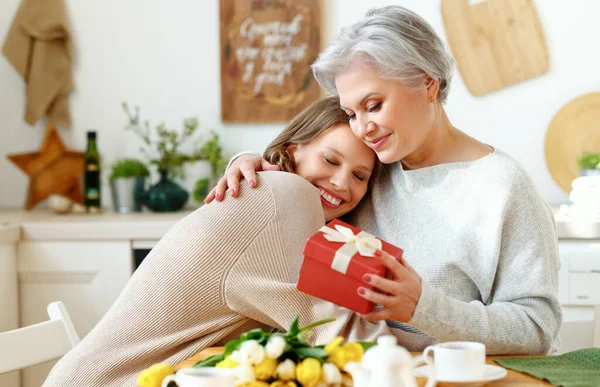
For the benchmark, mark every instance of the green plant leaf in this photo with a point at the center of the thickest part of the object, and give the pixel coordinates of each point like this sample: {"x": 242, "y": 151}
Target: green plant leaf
{"x": 589, "y": 160}
{"x": 318, "y": 353}
{"x": 316, "y": 324}
{"x": 232, "y": 346}
{"x": 255, "y": 334}
{"x": 210, "y": 361}
{"x": 367, "y": 344}
{"x": 294, "y": 328}
{"x": 128, "y": 167}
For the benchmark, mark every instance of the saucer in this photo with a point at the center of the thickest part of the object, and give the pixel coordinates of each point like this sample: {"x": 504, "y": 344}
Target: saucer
{"x": 490, "y": 372}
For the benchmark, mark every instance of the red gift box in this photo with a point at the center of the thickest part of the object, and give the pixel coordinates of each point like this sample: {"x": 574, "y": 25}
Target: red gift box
{"x": 335, "y": 260}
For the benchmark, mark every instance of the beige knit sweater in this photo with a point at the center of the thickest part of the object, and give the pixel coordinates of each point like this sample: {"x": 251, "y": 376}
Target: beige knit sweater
{"x": 224, "y": 269}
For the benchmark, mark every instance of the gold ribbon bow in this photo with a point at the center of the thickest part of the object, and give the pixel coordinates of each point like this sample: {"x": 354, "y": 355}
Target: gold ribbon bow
{"x": 363, "y": 243}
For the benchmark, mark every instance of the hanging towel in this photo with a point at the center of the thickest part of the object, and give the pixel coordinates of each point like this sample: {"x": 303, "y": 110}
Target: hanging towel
{"x": 38, "y": 45}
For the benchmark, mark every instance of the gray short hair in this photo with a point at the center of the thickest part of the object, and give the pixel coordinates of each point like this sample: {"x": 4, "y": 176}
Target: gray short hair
{"x": 397, "y": 42}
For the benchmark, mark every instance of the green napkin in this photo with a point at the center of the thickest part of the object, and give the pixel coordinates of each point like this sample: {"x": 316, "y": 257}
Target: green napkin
{"x": 578, "y": 368}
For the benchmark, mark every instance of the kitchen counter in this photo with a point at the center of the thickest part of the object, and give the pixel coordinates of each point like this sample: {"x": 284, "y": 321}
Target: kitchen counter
{"x": 44, "y": 225}
{"x": 9, "y": 233}
{"x": 572, "y": 223}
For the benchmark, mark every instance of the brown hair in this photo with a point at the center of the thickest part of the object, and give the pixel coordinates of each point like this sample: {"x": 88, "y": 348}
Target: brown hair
{"x": 310, "y": 123}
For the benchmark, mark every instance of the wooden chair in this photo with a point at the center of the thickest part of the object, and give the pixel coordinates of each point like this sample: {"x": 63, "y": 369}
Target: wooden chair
{"x": 38, "y": 343}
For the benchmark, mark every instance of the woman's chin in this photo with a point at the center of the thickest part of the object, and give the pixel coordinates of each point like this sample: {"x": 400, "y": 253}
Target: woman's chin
{"x": 329, "y": 215}
{"x": 389, "y": 156}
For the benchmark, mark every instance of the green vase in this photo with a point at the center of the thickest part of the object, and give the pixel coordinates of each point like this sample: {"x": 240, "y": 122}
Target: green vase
{"x": 165, "y": 196}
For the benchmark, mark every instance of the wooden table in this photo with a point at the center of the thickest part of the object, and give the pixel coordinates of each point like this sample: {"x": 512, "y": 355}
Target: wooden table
{"x": 513, "y": 378}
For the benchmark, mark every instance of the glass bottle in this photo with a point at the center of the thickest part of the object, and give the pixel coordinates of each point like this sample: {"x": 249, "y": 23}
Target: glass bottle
{"x": 91, "y": 191}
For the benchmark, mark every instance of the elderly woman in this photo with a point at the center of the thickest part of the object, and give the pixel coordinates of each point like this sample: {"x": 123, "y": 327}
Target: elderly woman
{"x": 480, "y": 243}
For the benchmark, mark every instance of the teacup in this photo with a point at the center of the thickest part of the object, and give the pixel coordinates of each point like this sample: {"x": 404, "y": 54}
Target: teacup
{"x": 201, "y": 377}
{"x": 457, "y": 360}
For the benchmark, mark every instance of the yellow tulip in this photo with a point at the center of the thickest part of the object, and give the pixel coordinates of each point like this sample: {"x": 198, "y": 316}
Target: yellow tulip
{"x": 265, "y": 369}
{"x": 228, "y": 362}
{"x": 346, "y": 353}
{"x": 281, "y": 383}
{"x": 154, "y": 375}
{"x": 335, "y": 343}
{"x": 308, "y": 372}
{"x": 255, "y": 383}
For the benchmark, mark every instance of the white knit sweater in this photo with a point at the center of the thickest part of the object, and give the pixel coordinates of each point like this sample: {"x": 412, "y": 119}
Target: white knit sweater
{"x": 484, "y": 243}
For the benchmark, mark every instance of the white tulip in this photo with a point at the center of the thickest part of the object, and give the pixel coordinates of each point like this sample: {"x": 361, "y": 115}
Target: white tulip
{"x": 286, "y": 370}
{"x": 347, "y": 381}
{"x": 236, "y": 356}
{"x": 331, "y": 374}
{"x": 250, "y": 352}
{"x": 244, "y": 373}
{"x": 275, "y": 346}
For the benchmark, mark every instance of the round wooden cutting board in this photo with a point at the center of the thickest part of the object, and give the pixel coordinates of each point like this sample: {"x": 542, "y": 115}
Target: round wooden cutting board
{"x": 573, "y": 130}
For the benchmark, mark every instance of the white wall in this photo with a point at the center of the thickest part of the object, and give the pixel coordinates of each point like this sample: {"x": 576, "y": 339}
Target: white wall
{"x": 164, "y": 56}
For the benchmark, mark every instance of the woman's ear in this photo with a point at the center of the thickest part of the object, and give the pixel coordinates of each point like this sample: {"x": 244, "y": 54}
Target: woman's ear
{"x": 291, "y": 149}
{"x": 433, "y": 87}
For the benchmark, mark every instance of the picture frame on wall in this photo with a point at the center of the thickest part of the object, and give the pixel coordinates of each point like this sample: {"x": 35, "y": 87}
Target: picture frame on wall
{"x": 267, "y": 47}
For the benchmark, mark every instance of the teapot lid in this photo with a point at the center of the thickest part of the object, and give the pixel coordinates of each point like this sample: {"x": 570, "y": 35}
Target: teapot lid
{"x": 386, "y": 352}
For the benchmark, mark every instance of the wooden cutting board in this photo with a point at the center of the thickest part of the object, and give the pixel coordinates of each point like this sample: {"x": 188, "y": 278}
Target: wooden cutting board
{"x": 496, "y": 43}
{"x": 572, "y": 131}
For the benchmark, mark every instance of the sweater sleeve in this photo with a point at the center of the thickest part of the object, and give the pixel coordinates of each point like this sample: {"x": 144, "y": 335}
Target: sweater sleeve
{"x": 262, "y": 284}
{"x": 523, "y": 315}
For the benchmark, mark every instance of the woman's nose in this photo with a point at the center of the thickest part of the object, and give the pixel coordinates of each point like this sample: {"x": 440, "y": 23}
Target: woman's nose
{"x": 340, "y": 181}
{"x": 362, "y": 127}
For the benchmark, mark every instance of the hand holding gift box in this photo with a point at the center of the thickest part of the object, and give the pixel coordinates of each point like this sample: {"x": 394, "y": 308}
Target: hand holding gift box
{"x": 335, "y": 260}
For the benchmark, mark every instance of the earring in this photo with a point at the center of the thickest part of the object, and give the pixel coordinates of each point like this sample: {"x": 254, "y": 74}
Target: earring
{"x": 432, "y": 99}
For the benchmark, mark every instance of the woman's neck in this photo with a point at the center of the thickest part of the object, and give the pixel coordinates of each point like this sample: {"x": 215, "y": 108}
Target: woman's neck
{"x": 445, "y": 144}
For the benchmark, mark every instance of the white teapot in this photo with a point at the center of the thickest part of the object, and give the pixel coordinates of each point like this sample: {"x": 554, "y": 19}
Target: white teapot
{"x": 386, "y": 365}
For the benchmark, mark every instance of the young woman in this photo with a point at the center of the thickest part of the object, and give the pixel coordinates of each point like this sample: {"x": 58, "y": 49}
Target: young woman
{"x": 230, "y": 267}
{"x": 479, "y": 241}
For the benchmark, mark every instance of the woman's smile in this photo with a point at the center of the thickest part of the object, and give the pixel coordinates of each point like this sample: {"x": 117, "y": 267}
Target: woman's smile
{"x": 379, "y": 142}
{"x": 329, "y": 199}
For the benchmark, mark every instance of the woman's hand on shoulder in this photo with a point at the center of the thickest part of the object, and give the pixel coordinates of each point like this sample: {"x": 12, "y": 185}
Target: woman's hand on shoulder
{"x": 398, "y": 295}
{"x": 244, "y": 167}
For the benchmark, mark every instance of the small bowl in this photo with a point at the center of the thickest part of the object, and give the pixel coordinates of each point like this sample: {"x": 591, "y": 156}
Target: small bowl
{"x": 60, "y": 204}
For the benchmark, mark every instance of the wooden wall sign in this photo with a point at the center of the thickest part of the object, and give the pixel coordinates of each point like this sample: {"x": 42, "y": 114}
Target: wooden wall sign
{"x": 496, "y": 43}
{"x": 267, "y": 47}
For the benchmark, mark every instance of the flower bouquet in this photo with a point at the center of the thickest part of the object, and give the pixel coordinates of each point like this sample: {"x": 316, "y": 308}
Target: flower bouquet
{"x": 263, "y": 359}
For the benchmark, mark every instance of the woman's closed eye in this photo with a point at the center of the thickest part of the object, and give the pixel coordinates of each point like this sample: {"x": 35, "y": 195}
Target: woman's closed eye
{"x": 374, "y": 108}
{"x": 360, "y": 177}
{"x": 330, "y": 161}
{"x": 350, "y": 116}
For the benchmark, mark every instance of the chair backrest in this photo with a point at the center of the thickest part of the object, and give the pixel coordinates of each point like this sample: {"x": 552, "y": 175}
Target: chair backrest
{"x": 38, "y": 343}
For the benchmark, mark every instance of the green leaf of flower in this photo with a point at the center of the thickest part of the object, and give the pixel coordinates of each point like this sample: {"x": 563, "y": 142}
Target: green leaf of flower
{"x": 317, "y": 353}
{"x": 255, "y": 334}
{"x": 294, "y": 328}
{"x": 232, "y": 346}
{"x": 316, "y": 324}
{"x": 210, "y": 361}
{"x": 367, "y": 344}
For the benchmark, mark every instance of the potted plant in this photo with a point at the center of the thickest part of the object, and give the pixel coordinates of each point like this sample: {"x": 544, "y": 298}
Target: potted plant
{"x": 163, "y": 149}
{"x": 208, "y": 163}
{"x": 127, "y": 182}
{"x": 589, "y": 163}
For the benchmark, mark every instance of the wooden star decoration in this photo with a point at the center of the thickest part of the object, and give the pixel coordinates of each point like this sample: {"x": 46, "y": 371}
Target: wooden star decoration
{"x": 52, "y": 170}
